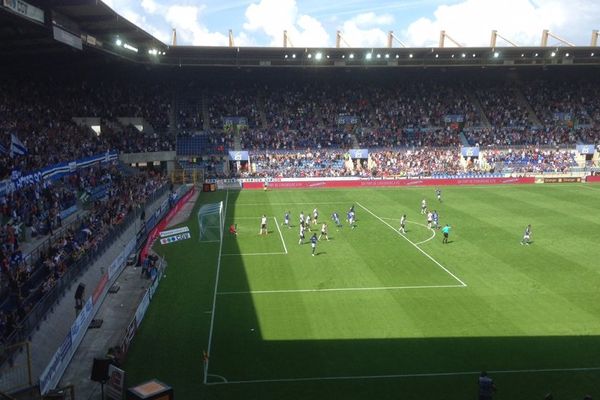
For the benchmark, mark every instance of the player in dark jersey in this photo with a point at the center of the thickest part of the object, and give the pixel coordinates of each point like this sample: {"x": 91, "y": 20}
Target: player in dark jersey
{"x": 438, "y": 194}
{"x": 313, "y": 243}
{"x": 336, "y": 218}
{"x": 286, "y": 220}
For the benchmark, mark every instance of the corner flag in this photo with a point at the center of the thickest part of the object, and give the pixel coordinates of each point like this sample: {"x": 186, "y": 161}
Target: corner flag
{"x": 16, "y": 146}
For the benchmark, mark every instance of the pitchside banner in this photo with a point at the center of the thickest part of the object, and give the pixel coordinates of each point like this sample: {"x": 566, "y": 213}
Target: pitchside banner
{"x": 470, "y": 151}
{"x": 586, "y": 148}
{"x": 238, "y": 155}
{"x": 359, "y": 153}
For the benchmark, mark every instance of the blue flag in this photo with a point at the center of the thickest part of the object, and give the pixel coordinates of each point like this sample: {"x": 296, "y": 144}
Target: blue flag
{"x": 16, "y": 146}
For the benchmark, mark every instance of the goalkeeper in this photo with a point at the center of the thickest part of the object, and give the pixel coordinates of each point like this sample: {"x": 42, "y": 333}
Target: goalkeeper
{"x": 233, "y": 229}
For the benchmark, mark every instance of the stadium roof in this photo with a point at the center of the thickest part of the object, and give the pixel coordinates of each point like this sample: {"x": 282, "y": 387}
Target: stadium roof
{"x": 90, "y": 24}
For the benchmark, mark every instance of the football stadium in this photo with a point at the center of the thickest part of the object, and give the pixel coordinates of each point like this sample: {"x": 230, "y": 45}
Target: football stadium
{"x": 280, "y": 222}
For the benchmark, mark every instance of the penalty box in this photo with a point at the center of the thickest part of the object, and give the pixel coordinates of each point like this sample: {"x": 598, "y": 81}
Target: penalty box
{"x": 249, "y": 241}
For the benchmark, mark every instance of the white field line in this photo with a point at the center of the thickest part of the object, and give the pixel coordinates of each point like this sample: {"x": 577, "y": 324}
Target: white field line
{"x": 214, "y": 302}
{"x": 349, "y": 289}
{"x": 222, "y": 378}
{"x": 414, "y": 244}
{"x": 415, "y": 375}
{"x": 415, "y": 223}
{"x": 254, "y": 254}
{"x": 280, "y": 235}
{"x": 286, "y": 204}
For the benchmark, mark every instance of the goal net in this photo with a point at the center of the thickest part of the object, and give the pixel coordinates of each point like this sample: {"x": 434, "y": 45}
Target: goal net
{"x": 210, "y": 222}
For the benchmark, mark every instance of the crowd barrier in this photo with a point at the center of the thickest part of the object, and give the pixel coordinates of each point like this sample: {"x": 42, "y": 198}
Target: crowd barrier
{"x": 350, "y": 183}
{"x": 593, "y": 178}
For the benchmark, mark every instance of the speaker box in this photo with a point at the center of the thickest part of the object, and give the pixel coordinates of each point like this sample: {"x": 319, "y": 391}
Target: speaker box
{"x": 100, "y": 369}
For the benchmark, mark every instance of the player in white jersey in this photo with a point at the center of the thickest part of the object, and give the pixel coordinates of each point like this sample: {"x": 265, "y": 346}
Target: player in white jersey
{"x": 403, "y": 224}
{"x": 429, "y": 219}
{"x": 263, "y": 225}
{"x": 315, "y": 220}
{"x": 423, "y": 206}
{"x": 301, "y": 241}
{"x": 324, "y": 231}
{"x": 301, "y": 217}
{"x": 307, "y": 222}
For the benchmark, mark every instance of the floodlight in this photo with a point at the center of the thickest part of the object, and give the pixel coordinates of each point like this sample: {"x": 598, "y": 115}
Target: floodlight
{"x": 397, "y": 56}
{"x": 293, "y": 56}
{"x": 118, "y": 42}
{"x": 496, "y": 54}
{"x": 368, "y": 56}
{"x": 474, "y": 55}
{"x": 522, "y": 55}
{"x": 309, "y": 55}
{"x": 352, "y": 55}
{"x": 378, "y": 55}
{"x": 387, "y": 56}
{"x": 452, "y": 56}
{"x": 592, "y": 54}
{"x": 318, "y": 56}
{"x": 130, "y": 47}
{"x": 463, "y": 55}
{"x": 286, "y": 56}
{"x": 343, "y": 56}
{"x": 535, "y": 55}
{"x": 567, "y": 55}
{"x": 410, "y": 55}
{"x": 552, "y": 54}
{"x": 437, "y": 55}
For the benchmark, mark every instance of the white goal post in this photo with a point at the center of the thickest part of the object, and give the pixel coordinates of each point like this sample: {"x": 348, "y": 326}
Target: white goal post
{"x": 210, "y": 222}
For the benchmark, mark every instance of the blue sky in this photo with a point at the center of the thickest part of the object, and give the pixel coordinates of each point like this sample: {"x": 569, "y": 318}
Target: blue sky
{"x": 363, "y": 23}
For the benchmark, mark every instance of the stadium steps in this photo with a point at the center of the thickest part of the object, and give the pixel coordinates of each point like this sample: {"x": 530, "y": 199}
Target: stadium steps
{"x": 172, "y": 115}
{"x": 463, "y": 139}
{"x": 485, "y": 122}
{"x": 237, "y": 141}
{"x": 205, "y": 113}
{"x": 522, "y": 101}
{"x": 262, "y": 115}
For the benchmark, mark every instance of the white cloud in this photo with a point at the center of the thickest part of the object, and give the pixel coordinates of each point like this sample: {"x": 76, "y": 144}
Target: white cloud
{"x": 272, "y": 17}
{"x": 150, "y": 6}
{"x": 364, "y": 31}
{"x": 185, "y": 19}
{"x": 522, "y": 21}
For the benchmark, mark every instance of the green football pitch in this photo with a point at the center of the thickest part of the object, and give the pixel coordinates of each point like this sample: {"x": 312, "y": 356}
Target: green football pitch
{"x": 378, "y": 314}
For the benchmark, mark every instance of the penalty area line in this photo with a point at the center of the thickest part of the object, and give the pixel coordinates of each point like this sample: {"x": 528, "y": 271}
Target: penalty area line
{"x": 349, "y": 289}
{"x": 253, "y": 254}
{"x": 280, "y": 235}
{"x": 414, "y": 244}
{"x": 399, "y": 376}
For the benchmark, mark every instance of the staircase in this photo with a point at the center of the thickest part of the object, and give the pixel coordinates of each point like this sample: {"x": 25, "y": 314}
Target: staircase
{"x": 520, "y": 97}
{"x": 262, "y": 115}
{"x": 205, "y": 113}
{"x": 485, "y": 122}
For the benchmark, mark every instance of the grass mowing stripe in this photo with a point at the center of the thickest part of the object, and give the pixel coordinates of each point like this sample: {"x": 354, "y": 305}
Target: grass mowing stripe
{"x": 214, "y": 303}
{"x": 416, "y": 246}
{"x": 350, "y": 289}
{"x": 395, "y": 376}
{"x": 280, "y": 235}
